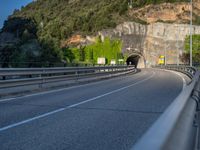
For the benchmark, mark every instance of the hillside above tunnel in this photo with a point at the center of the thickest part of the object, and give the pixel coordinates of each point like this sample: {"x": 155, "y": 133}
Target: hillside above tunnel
{"x": 63, "y": 18}
{"x": 46, "y": 27}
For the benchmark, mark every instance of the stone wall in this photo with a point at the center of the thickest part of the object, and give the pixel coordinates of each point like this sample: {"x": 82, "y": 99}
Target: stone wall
{"x": 152, "y": 40}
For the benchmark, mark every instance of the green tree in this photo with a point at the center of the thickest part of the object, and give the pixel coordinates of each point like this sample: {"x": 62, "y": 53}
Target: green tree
{"x": 110, "y": 49}
{"x": 8, "y": 54}
{"x": 195, "y": 48}
{"x": 68, "y": 55}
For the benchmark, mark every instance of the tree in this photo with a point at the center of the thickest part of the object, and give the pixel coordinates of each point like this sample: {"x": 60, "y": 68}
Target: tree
{"x": 195, "y": 48}
{"x": 82, "y": 53}
{"x": 68, "y": 55}
{"x": 7, "y": 55}
{"x": 19, "y": 25}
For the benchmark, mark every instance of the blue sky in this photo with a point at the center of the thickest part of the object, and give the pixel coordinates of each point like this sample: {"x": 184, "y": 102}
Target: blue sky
{"x": 8, "y": 6}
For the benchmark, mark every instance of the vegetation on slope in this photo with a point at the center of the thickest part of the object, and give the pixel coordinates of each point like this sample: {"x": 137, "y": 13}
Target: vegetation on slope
{"x": 62, "y": 18}
{"x": 195, "y": 49}
{"x": 43, "y": 24}
{"x": 109, "y": 49}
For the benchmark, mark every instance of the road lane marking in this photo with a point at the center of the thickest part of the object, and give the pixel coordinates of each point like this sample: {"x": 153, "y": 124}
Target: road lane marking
{"x": 177, "y": 73}
{"x": 31, "y": 119}
{"x": 183, "y": 79}
{"x": 73, "y": 105}
{"x": 57, "y": 90}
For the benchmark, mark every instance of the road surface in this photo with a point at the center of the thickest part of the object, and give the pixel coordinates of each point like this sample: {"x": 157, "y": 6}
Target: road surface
{"x": 107, "y": 115}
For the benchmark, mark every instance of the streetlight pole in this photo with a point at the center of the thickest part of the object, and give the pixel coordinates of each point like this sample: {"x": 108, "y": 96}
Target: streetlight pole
{"x": 165, "y": 49}
{"x": 165, "y": 52}
{"x": 177, "y": 45}
{"x": 191, "y": 33}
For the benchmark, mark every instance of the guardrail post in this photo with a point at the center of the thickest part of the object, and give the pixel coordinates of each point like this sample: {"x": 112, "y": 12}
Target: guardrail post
{"x": 42, "y": 79}
{"x": 196, "y": 95}
{"x": 40, "y": 84}
{"x": 77, "y": 75}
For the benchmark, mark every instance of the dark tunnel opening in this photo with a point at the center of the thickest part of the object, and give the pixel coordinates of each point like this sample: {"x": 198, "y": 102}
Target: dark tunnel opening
{"x": 133, "y": 60}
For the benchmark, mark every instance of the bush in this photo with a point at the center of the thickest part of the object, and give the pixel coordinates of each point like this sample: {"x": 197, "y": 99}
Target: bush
{"x": 110, "y": 49}
{"x": 195, "y": 47}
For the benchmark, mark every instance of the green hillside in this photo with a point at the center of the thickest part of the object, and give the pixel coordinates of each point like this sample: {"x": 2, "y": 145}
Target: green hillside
{"x": 43, "y": 24}
{"x": 62, "y": 18}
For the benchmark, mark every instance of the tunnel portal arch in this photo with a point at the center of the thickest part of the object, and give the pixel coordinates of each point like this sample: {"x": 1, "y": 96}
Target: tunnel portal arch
{"x": 133, "y": 60}
{"x": 136, "y": 59}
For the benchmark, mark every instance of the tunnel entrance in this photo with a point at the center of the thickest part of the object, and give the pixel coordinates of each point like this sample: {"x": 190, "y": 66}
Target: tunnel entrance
{"x": 133, "y": 60}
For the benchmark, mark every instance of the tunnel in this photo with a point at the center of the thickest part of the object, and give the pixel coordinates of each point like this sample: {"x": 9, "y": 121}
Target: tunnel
{"x": 133, "y": 60}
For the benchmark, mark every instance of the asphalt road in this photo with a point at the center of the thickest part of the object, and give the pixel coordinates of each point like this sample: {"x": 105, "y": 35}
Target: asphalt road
{"x": 106, "y": 115}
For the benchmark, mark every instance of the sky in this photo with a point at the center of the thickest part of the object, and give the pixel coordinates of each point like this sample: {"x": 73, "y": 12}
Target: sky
{"x": 8, "y": 6}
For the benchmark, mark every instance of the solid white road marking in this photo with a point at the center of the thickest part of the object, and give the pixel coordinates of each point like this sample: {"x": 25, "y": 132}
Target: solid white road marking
{"x": 31, "y": 119}
{"x": 183, "y": 79}
{"x": 71, "y": 106}
{"x": 177, "y": 73}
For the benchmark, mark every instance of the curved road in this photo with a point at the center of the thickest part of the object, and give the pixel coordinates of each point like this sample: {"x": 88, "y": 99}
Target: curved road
{"x": 106, "y": 115}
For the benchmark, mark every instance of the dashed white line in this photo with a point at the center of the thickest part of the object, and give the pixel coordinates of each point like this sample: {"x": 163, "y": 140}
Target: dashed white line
{"x": 71, "y": 106}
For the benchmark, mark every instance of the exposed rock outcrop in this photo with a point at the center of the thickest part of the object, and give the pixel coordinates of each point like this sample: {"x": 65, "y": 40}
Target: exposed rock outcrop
{"x": 166, "y": 12}
{"x": 152, "y": 40}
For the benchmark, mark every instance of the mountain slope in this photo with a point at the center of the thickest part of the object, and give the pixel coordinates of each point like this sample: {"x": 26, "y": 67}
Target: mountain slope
{"x": 53, "y": 24}
{"x": 62, "y": 18}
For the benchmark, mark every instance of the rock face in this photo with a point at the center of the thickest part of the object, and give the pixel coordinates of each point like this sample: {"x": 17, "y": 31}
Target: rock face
{"x": 167, "y": 12}
{"x": 151, "y": 41}
{"x": 77, "y": 40}
{"x": 178, "y": 12}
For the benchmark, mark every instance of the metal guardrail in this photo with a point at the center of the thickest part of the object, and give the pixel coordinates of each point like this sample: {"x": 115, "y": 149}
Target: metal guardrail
{"x": 31, "y": 76}
{"x": 33, "y": 71}
{"x": 189, "y": 71}
{"x": 178, "y": 127}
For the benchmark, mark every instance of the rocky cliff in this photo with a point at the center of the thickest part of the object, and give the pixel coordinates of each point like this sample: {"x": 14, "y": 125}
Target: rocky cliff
{"x": 152, "y": 40}
{"x": 167, "y": 12}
